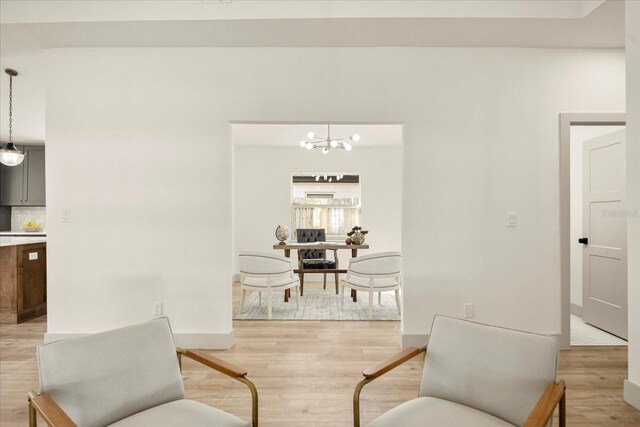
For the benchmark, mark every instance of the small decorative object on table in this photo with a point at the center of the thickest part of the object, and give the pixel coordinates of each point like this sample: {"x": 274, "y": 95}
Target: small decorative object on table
{"x": 357, "y": 235}
{"x": 282, "y": 234}
{"x": 31, "y": 227}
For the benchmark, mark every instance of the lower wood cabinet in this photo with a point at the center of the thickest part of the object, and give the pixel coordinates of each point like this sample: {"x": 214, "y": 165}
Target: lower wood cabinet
{"x": 23, "y": 282}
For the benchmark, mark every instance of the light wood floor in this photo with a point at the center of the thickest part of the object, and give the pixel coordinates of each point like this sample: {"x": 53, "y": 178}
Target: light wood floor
{"x": 306, "y": 371}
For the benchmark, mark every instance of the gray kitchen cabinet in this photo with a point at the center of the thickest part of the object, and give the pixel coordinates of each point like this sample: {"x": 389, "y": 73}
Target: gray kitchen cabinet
{"x": 24, "y": 185}
{"x": 11, "y": 188}
{"x": 34, "y": 184}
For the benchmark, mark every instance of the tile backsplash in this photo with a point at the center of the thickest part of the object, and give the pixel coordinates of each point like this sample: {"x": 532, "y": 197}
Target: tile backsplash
{"x": 21, "y": 215}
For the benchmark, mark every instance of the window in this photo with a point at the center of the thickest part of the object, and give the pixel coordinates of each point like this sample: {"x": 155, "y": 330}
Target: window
{"x": 327, "y": 201}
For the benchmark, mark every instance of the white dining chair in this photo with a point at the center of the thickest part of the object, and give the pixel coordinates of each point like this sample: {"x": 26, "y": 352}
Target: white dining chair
{"x": 379, "y": 272}
{"x": 265, "y": 272}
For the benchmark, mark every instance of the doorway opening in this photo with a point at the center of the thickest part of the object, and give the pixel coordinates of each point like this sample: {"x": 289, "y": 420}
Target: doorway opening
{"x": 593, "y": 233}
{"x": 280, "y": 183}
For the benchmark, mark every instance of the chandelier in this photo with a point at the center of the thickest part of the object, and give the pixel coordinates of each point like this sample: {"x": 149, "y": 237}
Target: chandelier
{"x": 327, "y": 178}
{"x": 326, "y": 143}
{"x": 9, "y": 154}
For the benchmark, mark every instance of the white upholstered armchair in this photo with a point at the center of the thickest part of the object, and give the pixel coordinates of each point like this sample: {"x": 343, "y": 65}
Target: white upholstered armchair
{"x": 264, "y": 272}
{"x": 126, "y": 377}
{"x": 476, "y": 375}
{"x": 373, "y": 273}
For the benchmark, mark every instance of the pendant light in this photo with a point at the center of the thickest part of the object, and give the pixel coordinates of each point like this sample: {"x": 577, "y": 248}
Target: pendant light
{"x": 9, "y": 154}
{"x": 326, "y": 143}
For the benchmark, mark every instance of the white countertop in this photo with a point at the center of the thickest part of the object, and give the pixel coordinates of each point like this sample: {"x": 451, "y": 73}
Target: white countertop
{"x": 15, "y": 241}
{"x": 23, "y": 233}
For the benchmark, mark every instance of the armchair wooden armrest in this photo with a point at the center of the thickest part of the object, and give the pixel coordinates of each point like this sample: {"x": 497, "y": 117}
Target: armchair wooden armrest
{"x": 392, "y": 362}
{"x": 49, "y": 410}
{"x": 214, "y": 363}
{"x": 228, "y": 369}
{"x": 553, "y": 395}
{"x": 377, "y": 371}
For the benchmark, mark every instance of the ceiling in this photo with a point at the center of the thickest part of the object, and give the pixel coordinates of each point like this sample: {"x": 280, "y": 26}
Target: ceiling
{"x": 290, "y": 135}
{"x": 34, "y": 25}
{"x": 39, "y": 11}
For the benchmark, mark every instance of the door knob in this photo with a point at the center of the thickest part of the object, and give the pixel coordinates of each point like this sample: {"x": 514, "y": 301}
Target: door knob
{"x": 584, "y": 240}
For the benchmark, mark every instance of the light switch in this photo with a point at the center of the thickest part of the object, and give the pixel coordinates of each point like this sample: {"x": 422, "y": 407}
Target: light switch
{"x": 512, "y": 219}
{"x": 65, "y": 215}
{"x": 33, "y": 256}
{"x": 468, "y": 311}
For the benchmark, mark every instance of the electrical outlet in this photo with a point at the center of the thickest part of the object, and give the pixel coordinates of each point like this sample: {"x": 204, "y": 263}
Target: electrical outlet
{"x": 468, "y": 311}
{"x": 65, "y": 215}
{"x": 157, "y": 309}
{"x": 512, "y": 219}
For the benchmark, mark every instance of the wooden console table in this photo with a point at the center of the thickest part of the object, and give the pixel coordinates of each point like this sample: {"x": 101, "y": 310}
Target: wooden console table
{"x": 330, "y": 246}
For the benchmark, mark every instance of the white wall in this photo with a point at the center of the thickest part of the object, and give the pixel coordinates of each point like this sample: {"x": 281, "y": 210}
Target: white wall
{"x": 28, "y": 98}
{"x": 263, "y": 192}
{"x": 632, "y": 46}
{"x": 139, "y": 136}
{"x": 135, "y": 155}
{"x": 579, "y": 134}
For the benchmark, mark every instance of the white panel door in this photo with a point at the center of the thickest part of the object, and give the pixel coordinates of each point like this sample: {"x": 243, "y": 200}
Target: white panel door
{"x": 604, "y": 240}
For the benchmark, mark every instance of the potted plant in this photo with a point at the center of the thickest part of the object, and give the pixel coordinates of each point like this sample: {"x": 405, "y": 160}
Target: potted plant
{"x": 356, "y": 235}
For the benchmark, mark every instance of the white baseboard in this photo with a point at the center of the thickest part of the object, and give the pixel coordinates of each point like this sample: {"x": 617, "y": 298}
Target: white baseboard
{"x": 185, "y": 340}
{"x": 413, "y": 340}
{"x": 631, "y": 394}
{"x": 576, "y": 310}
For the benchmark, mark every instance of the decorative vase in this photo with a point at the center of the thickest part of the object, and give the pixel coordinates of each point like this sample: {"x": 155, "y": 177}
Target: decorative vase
{"x": 357, "y": 238}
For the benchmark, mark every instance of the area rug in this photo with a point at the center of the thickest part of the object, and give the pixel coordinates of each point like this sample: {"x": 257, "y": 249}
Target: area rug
{"x": 583, "y": 334}
{"x": 318, "y": 305}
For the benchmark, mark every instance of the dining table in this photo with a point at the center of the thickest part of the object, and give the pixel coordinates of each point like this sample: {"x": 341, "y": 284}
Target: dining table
{"x": 330, "y": 246}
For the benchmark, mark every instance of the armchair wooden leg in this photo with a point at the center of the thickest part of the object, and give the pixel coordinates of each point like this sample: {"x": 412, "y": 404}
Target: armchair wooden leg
{"x": 370, "y": 305}
{"x": 270, "y": 302}
{"x": 379, "y": 298}
{"x": 244, "y": 295}
{"x": 324, "y": 282}
{"x": 337, "y": 277}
